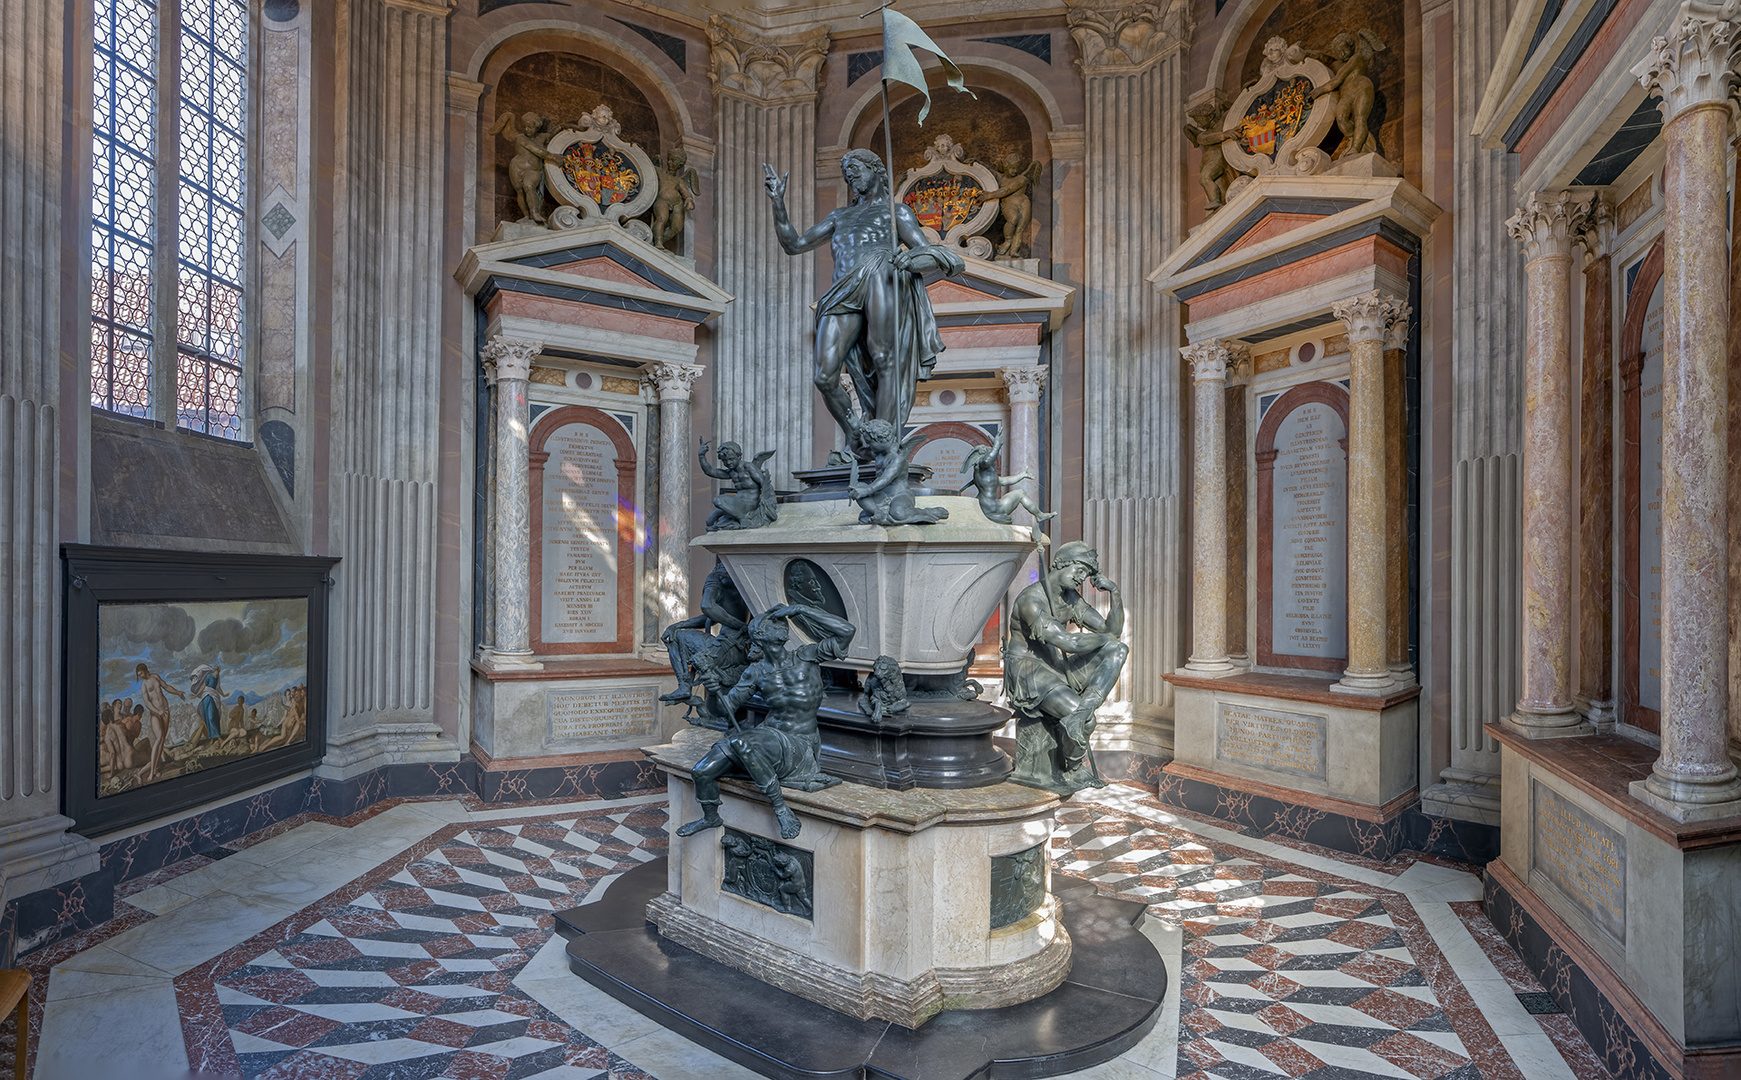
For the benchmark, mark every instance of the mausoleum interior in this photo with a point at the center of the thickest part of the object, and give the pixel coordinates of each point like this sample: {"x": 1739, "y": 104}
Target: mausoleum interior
{"x": 950, "y": 540}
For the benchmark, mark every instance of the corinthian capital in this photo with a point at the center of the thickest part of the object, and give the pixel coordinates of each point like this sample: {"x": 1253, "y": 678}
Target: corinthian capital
{"x": 509, "y": 357}
{"x": 1371, "y": 316}
{"x": 1596, "y": 236}
{"x": 764, "y": 67}
{"x": 1022, "y": 385}
{"x": 673, "y": 380}
{"x": 1125, "y": 35}
{"x": 1217, "y": 361}
{"x": 1695, "y": 63}
{"x": 1547, "y": 221}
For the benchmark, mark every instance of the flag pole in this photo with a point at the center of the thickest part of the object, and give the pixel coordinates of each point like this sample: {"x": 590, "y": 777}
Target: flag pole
{"x": 889, "y": 160}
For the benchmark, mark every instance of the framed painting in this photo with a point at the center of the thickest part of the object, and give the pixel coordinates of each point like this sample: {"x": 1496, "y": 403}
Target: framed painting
{"x": 188, "y": 677}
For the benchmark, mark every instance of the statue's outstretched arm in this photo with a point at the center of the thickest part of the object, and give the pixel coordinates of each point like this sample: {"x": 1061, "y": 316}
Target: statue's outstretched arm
{"x": 792, "y": 242}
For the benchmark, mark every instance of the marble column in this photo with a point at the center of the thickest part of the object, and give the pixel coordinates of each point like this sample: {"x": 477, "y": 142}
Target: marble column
{"x": 36, "y": 850}
{"x": 1545, "y": 225}
{"x": 1133, "y": 60}
{"x": 1022, "y": 388}
{"x": 1691, "y": 68}
{"x": 1396, "y": 507}
{"x": 673, "y": 383}
{"x": 1369, "y": 319}
{"x": 1486, "y": 417}
{"x": 508, "y": 365}
{"x": 765, "y": 96}
{"x": 389, "y": 279}
{"x": 1209, "y": 362}
{"x": 1596, "y": 474}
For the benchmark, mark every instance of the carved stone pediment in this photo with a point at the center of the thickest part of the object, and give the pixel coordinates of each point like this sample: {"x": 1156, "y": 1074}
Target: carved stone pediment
{"x": 947, "y": 194}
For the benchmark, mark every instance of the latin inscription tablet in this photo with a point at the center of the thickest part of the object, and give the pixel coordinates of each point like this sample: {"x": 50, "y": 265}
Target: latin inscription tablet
{"x": 1583, "y": 857}
{"x": 1309, "y": 535}
{"x": 580, "y": 537}
{"x": 615, "y": 712}
{"x": 1282, "y": 742}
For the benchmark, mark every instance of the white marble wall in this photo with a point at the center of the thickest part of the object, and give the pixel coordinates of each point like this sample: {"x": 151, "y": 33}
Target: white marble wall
{"x": 387, "y": 284}
{"x": 35, "y": 849}
{"x": 766, "y": 113}
{"x": 1487, "y": 388}
{"x": 1133, "y": 67}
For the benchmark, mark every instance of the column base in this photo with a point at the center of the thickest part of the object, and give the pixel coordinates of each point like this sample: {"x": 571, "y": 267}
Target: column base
{"x": 40, "y": 853}
{"x": 1465, "y": 795}
{"x": 1403, "y": 675}
{"x": 1547, "y": 725}
{"x": 519, "y": 661}
{"x": 1211, "y": 668}
{"x": 1689, "y": 802}
{"x": 1369, "y": 683}
{"x": 1600, "y": 714}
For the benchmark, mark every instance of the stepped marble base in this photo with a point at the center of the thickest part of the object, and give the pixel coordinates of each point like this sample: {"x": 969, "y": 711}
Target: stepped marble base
{"x": 1110, "y": 1000}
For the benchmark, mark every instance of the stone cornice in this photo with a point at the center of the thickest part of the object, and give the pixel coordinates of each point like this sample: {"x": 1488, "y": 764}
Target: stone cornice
{"x": 1121, "y": 37}
{"x": 1371, "y": 316}
{"x": 765, "y": 68}
{"x": 1547, "y": 221}
{"x": 509, "y": 357}
{"x": 1693, "y": 65}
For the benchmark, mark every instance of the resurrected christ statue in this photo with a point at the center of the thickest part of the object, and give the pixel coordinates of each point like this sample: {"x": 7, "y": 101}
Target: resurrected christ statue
{"x": 875, "y": 323}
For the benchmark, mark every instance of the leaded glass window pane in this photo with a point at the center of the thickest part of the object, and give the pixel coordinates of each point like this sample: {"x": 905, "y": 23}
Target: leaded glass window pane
{"x": 123, "y": 203}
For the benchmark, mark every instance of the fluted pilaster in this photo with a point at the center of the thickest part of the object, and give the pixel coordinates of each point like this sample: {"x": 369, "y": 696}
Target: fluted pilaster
{"x": 1132, "y": 59}
{"x": 35, "y": 848}
{"x": 765, "y": 91}
{"x": 1487, "y": 419}
{"x": 387, "y": 279}
{"x": 674, "y": 383}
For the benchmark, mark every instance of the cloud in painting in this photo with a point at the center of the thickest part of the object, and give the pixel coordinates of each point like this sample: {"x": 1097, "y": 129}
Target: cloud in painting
{"x": 232, "y": 640}
{"x": 147, "y": 624}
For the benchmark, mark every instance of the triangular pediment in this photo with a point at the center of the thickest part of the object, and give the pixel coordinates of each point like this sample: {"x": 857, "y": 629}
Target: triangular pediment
{"x": 600, "y": 256}
{"x": 987, "y": 287}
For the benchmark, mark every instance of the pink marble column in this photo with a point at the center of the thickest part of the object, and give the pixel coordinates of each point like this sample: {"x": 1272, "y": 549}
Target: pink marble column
{"x": 508, "y": 364}
{"x": 673, "y": 382}
{"x": 1370, "y": 319}
{"x": 1545, "y": 225}
{"x": 1209, "y": 369}
{"x": 1022, "y": 387}
{"x": 1596, "y": 474}
{"x": 1691, "y": 69}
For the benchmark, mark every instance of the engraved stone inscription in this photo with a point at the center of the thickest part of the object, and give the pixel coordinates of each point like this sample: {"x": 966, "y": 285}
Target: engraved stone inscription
{"x": 1583, "y": 857}
{"x": 1309, "y": 535}
{"x": 1650, "y": 508}
{"x": 768, "y": 872}
{"x": 945, "y": 456}
{"x": 579, "y": 549}
{"x": 611, "y": 713}
{"x": 1283, "y": 742}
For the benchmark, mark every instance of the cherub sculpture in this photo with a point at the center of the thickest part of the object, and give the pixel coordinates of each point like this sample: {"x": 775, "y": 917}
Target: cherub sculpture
{"x": 885, "y": 691}
{"x": 887, "y": 500}
{"x": 1203, "y": 128}
{"x": 678, "y": 184}
{"x": 785, "y": 748}
{"x": 694, "y": 648}
{"x": 1057, "y": 677}
{"x": 1015, "y": 204}
{"x": 526, "y": 169}
{"x": 982, "y": 465}
{"x": 751, "y": 505}
{"x": 1350, "y": 58}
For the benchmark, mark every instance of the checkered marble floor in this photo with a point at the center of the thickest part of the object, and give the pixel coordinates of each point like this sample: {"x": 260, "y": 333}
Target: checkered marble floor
{"x": 1284, "y": 972}
{"x": 408, "y": 974}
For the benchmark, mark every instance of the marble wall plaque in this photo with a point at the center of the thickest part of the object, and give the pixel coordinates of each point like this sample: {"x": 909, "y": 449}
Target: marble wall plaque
{"x": 579, "y": 548}
{"x": 944, "y": 456}
{"x": 1309, "y": 535}
{"x": 613, "y": 712}
{"x": 1583, "y": 857}
{"x": 1283, "y": 742}
{"x": 1649, "y": 576}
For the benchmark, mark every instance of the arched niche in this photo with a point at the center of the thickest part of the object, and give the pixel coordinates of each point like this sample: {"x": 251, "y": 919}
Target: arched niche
{"x": 636, "y": 90}
{"x": 1641, "y": 466}
{"x": 1302, "y": 530}
{"x": 945, "y": 445}
{"x": 582, "y": 484}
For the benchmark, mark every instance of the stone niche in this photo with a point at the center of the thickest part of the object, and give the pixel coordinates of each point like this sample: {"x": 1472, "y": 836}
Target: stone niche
{"x": 605, "y": 310}
{"x": 1262, "y": 277}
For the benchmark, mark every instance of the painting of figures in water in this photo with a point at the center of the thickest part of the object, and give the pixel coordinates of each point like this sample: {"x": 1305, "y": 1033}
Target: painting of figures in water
{"x": 190, "y": 686}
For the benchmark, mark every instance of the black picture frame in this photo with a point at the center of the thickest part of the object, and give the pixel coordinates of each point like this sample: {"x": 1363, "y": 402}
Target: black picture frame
{"x": 95, "y": 576}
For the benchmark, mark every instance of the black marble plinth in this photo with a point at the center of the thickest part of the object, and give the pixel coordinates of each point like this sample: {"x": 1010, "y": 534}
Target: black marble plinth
{"x": 933, "y": 744}
{"x": 822, "y": 485}
{"x": 1110, "y": 1000}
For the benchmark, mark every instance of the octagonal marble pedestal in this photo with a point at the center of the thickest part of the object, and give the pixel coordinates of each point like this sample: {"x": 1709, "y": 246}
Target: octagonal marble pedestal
{"x": 902, "y": 895}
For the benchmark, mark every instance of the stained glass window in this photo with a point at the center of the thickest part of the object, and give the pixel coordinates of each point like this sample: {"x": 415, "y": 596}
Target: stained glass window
{"x": 207, "y": 95}
{"x": 123, "y": 204}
